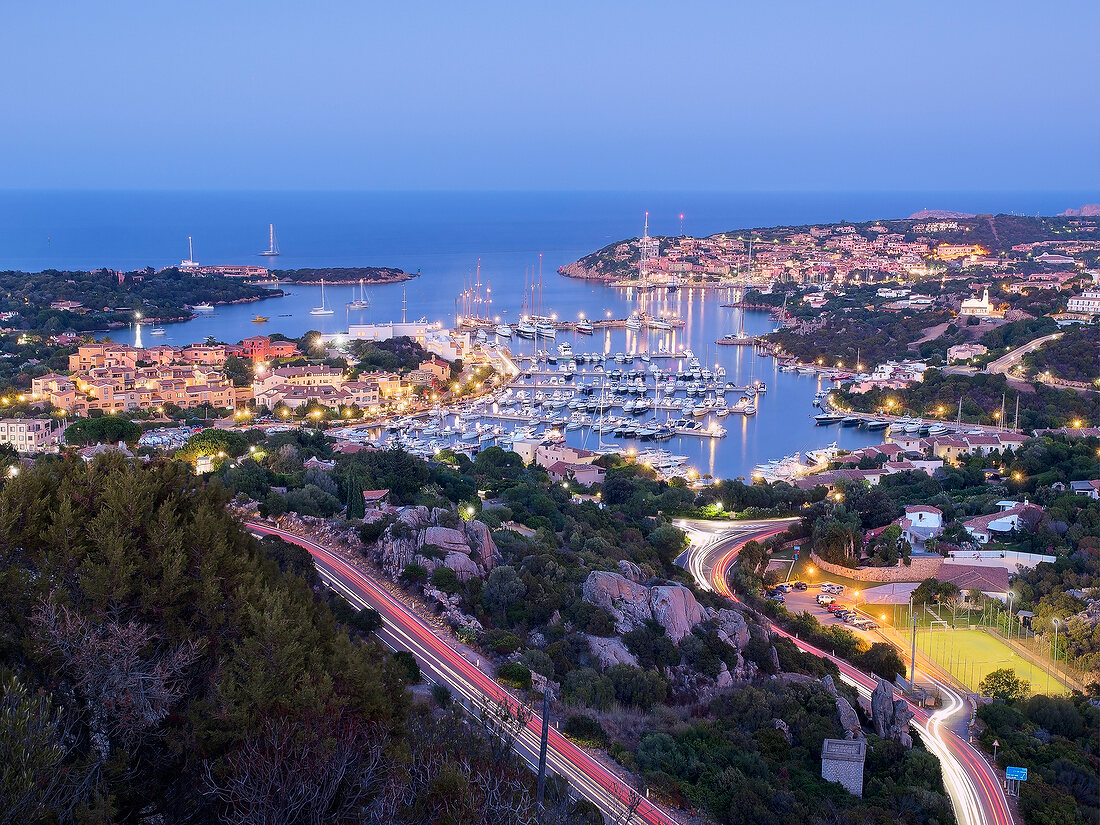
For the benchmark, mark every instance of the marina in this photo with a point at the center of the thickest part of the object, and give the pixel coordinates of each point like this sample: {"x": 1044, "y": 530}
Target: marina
{"x": 726, "y": 409}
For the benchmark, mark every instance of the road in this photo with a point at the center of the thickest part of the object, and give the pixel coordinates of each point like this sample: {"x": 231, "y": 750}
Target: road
{"x": 1011, "y": 359}
{"x": 404, "y": 630}
{"x": 971, "y": 782}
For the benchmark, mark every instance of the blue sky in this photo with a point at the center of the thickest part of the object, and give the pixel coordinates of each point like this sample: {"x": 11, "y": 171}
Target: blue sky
{"x": 535, "y": 95}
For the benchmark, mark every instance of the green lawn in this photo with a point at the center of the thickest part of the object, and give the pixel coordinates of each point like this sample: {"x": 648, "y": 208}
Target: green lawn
{"x": 970, "y": 654}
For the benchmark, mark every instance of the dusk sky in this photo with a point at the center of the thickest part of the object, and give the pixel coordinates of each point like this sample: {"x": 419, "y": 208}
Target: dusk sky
{"x": 511, "y": 95}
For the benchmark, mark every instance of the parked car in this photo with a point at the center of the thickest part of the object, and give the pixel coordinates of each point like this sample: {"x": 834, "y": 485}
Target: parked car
{"x": 800, "y": 586}
{"x": 836, "y": 607}
{"x": 776, "y": 597}
{"x": 783, "y": 588}
{"x": 824, "y": 598}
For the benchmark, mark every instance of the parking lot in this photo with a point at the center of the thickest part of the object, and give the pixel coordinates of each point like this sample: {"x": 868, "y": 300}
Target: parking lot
{"x": 805, "y": 601}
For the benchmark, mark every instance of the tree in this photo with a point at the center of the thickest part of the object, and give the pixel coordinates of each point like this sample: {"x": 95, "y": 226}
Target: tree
{"x": 503, "y": 589}
{"x": 106, "y": 429}
{"x": 1005, "y": 685}
{"x": 356, "y": 505}
{"x": 213, "y": 442}
{"x": 882, "y": 659}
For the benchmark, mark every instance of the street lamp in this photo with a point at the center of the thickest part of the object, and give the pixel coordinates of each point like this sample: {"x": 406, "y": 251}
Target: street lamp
{"x": 1056, "y": 623}
{"x": 1011, "y": 596}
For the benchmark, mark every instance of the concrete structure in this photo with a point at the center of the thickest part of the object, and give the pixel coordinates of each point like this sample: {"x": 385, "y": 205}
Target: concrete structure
{"x": 417, "y": 330}
{"x": 30, "y": 435}
{"x": 842, "y": 761}
{"x": 964, "y": 352}
{"x": 1087, "y": 303}
{"x": 549, "y": 454}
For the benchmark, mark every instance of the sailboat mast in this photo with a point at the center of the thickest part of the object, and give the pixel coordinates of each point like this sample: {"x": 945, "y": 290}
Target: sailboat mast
{"x": 540, "y": 284}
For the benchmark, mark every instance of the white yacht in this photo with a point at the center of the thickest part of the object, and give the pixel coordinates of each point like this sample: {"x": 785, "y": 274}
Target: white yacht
{"x": 322, "y": 310}
{"x": 359, "y": 302}
{"x": 202, "y": 308}
{"x": 503, "y": 331}
{"x": 189, "y": 262}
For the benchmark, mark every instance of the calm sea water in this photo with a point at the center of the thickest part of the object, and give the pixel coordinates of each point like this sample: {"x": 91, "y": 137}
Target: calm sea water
{"x": 443, "y": 235}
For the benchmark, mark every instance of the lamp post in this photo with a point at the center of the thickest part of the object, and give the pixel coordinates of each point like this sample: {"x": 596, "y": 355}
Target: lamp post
{"x": 1056, "y": 623}
{"x": 1011, "y": 595}
{"x": 913, "y": 652}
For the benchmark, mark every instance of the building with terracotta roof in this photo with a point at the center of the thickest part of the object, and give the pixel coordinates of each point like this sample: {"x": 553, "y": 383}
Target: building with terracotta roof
{"x": 586, "y": 474}
{"x": 985, "y": 528}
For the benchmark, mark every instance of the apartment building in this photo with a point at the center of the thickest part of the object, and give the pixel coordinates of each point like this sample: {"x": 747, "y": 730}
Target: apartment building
{"x": 30, "y": 435}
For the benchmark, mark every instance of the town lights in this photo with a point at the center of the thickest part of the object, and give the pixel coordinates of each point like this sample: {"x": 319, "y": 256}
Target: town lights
{"x": 1017, "y": 476}
{"x": 1077, "y": 423}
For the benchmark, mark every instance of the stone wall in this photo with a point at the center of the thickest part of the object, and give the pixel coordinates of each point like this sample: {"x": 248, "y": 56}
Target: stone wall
{"x": 842, "y": 761}
{"x": 921, "y": 568}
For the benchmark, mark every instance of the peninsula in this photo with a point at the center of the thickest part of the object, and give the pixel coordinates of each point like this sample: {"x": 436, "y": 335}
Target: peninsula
{"x": 929, "y": 244}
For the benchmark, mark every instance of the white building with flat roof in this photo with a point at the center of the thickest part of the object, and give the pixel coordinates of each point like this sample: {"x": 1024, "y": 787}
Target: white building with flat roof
{"x": 1087, "y": 303}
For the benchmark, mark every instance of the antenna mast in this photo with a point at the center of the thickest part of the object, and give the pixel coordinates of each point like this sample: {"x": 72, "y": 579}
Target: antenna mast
{"x": 404, "y": 305}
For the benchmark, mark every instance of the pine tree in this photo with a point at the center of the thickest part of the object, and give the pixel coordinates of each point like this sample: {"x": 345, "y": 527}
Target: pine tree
{"x": 356, "y": 506}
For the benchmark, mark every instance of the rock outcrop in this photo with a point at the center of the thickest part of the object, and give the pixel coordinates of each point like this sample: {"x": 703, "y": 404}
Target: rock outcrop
{"x": 783, "y": 728}
{"x": 418, "y": 537}
{"x": 732, "y": 627}
{"x": 610, "y": 651}
{"x": 631, "y": 571}
{"x": 631, "y": 604}
{"x": 849, "y": 719}
{"x": 452, "y": 615}
{"x": 890, "y": 716}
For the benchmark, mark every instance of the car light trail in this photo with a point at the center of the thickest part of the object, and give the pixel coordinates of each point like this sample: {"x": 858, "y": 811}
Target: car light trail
{"x": 590, "y": 778}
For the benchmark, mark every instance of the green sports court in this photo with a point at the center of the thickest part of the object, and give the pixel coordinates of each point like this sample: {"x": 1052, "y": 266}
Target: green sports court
{"x": 970, "y": 654}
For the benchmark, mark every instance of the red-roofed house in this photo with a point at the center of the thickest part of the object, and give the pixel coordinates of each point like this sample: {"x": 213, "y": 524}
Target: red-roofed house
{"x": 985, "y": 528}
{"x": 375, "y": 498}
{"x": 921, "y": 523}
{"x": 586, "y": 474}
{"x": 992, "y": 581}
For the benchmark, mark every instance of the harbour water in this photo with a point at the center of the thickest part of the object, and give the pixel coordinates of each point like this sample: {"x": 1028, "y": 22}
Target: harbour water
{"x": 443, "y": 236}
{"x": 783, "y": 424}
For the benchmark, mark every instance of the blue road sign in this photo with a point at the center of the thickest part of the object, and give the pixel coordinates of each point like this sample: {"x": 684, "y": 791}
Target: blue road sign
{"x": 1016, "y": 773}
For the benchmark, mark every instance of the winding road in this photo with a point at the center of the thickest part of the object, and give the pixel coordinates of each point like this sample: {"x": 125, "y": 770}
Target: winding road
{"x": 971, "y": 782}
{"x": 405, "y": 630}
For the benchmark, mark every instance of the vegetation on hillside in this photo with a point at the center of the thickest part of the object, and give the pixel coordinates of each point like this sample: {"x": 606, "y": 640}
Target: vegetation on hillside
{"x": 155, "y": 661}
{"x": 1075, "y": 356}
{"x": 106, "y": 302}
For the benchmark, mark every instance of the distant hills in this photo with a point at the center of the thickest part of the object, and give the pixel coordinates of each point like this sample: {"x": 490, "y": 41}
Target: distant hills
{"x": 1089, "y": 210}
